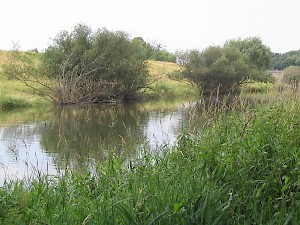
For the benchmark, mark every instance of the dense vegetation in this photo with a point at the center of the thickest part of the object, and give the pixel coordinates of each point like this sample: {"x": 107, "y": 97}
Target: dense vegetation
{"x": 223, "y": 69}
{"x": 163, "y": 55}
{"x": 243, "y": 169}
{"x": 282, "y": 61}
{"x": 155, "y": 52}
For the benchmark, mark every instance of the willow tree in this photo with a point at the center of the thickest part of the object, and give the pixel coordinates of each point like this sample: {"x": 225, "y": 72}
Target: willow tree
{"x": 83, "y": 66}
{"x": 216, "y": 69}
{"x": 95, "y": 66}
{"x": 223, "y": 69}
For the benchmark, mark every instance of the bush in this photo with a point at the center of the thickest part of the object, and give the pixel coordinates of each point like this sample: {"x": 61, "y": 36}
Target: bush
{"x": 92, "y": 66}
{"x": 163, "y": 55}
{"x": 291, "y": 75}
{"x": 216, "y": 69}
{"x": 254, "y": 87}
{"x": 223, "y": 69}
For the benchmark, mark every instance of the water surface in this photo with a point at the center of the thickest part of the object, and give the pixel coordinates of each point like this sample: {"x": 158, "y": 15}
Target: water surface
{"x": 46, "y": 141}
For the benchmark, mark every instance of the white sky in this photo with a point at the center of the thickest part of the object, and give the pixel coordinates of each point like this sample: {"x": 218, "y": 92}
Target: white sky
{"x": 175, "y": 24}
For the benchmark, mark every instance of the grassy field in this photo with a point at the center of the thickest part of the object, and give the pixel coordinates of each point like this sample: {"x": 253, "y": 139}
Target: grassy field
{"x": 15, "y": 94}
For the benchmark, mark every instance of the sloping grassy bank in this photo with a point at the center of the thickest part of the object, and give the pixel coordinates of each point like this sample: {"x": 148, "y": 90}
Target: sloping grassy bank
{"x": 15, "y": 94}
{"x": 165, "y": 82}
{"x": 244, "y": 169}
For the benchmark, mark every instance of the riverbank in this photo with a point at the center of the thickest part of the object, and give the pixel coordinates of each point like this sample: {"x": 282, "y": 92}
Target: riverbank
{"x": 243, "y": 169}
{"x": 163, "y": 85}
{"x": 15, "y": 94}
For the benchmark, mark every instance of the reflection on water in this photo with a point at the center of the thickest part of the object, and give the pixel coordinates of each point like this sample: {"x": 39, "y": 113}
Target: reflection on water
{"x": 33, "y": 142}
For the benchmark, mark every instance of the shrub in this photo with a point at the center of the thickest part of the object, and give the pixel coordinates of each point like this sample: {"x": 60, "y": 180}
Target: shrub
{"x": 291, "y": 75}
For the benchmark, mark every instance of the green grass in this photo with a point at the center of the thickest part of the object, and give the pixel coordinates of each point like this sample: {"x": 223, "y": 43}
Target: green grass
{"x": 15, "y": 94}
{"x": 243, "y": 169}
{"x": 164, "y": 85}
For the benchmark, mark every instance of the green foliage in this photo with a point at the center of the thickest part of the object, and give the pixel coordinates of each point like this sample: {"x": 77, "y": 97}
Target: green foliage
{"x": 144, "y": 47}
{"x": 21, "y": 65}
{"x": 163, "y": 55}
{"x": 7, "y": 103}
{"x": 258, "y": 57}
{"x": 255, "y": 156}
{"x": 155, "y": 52}
{"x": 254, "y": 87}
{"x": 96, "y": 65}
{"x": 282, "y": 61}
{"x": 257, "y": 53}
{"x": 223, "y": 69}
{"x": 291, "y": 75}
{"x": 216, "y": 69}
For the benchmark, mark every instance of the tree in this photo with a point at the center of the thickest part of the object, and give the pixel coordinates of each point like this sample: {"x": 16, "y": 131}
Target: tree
{"x": 291, "y": 75}
{"x": 216, "y": 69}
{"x": 223, "y": 69}
{"x": 259, "y": 54}
{"x": 96, "y": 66}
{"x": 163, "y": 55}
{"x": 155, "y": 52}
{"x": 87, "y": 67}
{"x": 259, "y": 57}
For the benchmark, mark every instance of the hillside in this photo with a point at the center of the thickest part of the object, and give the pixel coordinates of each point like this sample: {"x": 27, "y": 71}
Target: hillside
{"x": 3, "y": 57}
{"x": 166, "y": 83}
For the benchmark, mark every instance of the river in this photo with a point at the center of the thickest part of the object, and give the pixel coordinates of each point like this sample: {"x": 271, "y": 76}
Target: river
{"x": 35, "y": 142}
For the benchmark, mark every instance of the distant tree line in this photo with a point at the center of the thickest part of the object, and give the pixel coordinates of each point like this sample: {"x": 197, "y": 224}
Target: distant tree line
{"x": 282, "y": 61}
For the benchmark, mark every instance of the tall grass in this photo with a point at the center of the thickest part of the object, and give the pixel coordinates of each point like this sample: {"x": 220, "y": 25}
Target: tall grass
{"x": 243, "y": 169}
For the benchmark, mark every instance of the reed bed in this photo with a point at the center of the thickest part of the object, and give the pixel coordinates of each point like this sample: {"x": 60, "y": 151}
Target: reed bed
{"x": 242, "y": 169}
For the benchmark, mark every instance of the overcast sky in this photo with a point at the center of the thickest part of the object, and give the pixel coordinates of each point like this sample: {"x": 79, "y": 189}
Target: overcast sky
{"x": 176, "y": 24}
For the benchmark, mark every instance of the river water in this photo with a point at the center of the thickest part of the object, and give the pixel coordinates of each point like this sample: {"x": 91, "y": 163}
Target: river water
{"x": 34, "y": 142}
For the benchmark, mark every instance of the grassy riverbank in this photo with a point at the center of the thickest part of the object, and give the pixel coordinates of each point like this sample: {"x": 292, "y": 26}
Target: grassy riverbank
{"x": 15, "y": 94}
{"x": 243, "y": 169}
